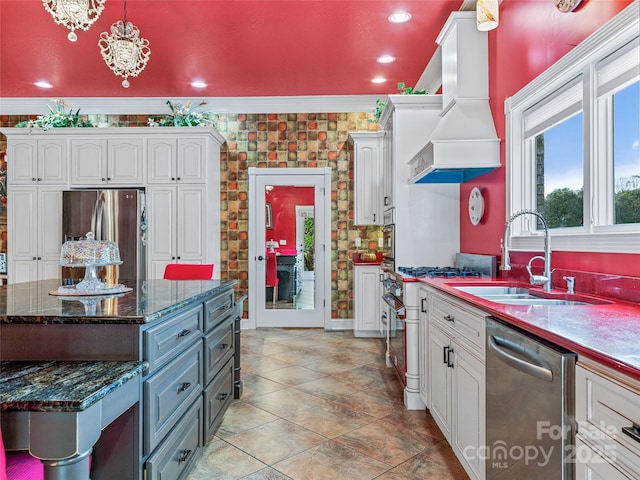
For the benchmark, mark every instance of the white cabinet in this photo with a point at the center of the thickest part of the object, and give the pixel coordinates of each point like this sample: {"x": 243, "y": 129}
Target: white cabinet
{"x": 35, "y": 233}
{"x": 107, "y": 161}
{"x": 367, "y": 291}
{"x": 176, "y": 220}
{"x": 608, "y": 420}
{"x": 368, "y": 178}
{"x": 37, "y": 161}
{"x": 387, "y": 164}
{"x": 173, "y": 160}
{"x": 456, "y": 377}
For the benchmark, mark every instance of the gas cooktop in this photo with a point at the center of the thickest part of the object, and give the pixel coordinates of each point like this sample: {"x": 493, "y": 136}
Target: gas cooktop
{"x": 438, "y": 272}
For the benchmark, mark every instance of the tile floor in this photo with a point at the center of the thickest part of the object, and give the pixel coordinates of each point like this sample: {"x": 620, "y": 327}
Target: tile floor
{"x": 320, "y": 405}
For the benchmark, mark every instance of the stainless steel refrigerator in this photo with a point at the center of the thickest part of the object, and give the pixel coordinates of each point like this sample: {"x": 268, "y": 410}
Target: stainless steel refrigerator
{"x": 111, "y": 214}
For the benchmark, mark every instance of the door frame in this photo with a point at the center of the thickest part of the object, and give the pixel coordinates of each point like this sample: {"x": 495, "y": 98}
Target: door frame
{"x": 322, "y": 255}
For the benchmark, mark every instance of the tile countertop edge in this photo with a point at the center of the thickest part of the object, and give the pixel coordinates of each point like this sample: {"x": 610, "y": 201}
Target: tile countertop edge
{"x": 574, "y": 345}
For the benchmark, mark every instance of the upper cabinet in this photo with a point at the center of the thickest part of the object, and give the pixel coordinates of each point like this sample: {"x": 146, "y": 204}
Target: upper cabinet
{"x": 177, "y": 160}
{"x": 368, "y": 177}
{"x": 37, "y": 161}
{"x": 102, "y": 161}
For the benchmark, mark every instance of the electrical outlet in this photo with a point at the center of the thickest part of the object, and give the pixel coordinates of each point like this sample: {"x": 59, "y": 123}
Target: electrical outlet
{"x": 380, "y": 242}
{"x": 283, "y": 242}
{"x": 358, "y": 242}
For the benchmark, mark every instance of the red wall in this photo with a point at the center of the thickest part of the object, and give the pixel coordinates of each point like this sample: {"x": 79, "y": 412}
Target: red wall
{"x": 283, "y": 203}
{"x": 532, "y": 36}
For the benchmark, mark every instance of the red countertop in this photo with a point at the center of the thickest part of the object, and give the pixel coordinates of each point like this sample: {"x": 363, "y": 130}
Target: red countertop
{"x": 607, "y": 333}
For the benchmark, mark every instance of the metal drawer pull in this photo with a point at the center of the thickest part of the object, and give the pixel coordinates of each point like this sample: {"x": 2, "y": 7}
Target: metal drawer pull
{"x": 449, "y": 362}
{"x": 633, "y": 432}
{"x": 222, "y": 396}
{"x": 423, "y": 302}
{"x": 449, "y": 318}
{"x": 183, "y": 333}
{"x": 222, "y": 346}
{"x": 184, "y": 455}
{"x": 183, "y": 386}
{"x": 444, "y": 354}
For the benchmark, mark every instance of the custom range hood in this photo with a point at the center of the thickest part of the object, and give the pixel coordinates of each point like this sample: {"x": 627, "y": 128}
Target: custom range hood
{"x": 464, "y": 144}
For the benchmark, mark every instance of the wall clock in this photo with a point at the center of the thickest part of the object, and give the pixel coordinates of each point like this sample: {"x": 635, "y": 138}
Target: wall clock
{"x": 476, "y": 206}
{"x": 566, "y": 5}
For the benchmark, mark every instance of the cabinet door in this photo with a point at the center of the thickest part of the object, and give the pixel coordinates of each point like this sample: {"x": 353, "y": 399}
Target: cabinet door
{"x": 23, "y": 224}
{"x": 190, "y": 223}
{"x": 592, "y": 466}
{"x": 367, "y": 308}
{"x": 387, "y": 155}
{"x": 88, "y": 162}
{"x": 440, "y": 379}
{"x": 52, "y": 162}
{"x": 49, "y": 232}
{"x": 192, "y": 160}
{"x": 22, "y": 157}
{"x": 469, "y": 409}
{"x": 161, "y": 160}
{"x": 125, "y": 161}
{"x": 368, "y": 178}
{"x": 161, "y": 228}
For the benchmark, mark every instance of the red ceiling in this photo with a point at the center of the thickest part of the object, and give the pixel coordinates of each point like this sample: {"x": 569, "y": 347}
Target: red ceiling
{"x": 240, "y": 48}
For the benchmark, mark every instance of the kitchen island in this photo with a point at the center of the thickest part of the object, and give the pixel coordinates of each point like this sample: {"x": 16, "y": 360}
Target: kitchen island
{"x": 185, "y": 331}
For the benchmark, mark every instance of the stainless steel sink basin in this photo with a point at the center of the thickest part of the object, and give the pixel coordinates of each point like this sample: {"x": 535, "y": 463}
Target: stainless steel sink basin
{"x": 513, "y": 295}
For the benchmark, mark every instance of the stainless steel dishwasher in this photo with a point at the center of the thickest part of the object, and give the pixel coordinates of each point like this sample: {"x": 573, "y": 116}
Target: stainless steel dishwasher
{"x": 530, "y": 406}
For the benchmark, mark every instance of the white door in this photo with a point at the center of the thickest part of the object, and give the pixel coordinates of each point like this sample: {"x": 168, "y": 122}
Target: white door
{"x": 302, "y": 295}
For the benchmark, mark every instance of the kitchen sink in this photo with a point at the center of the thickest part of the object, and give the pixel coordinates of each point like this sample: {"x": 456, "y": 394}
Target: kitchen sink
{"x": 510, "y": 295}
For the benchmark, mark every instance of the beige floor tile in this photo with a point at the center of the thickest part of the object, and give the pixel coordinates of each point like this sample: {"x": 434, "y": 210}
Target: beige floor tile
{"x": 436, "y": 463}
{"x": 224, "y": 462}
{"x": 331, "y": 420}
{"x": 372, "y": 402}
{"x": 275, "y": 441}
{"x": 331, "y": 461}
{"x": 366, "y": 376}
{"x": 286, "y": 402}
{"x": 293, "y": 375}
{"x": 266, "y": 474}
{"x": 254, "y": 385}
{"x": 419, "y": 421}
{"x": 328, "y": 388}
{"x": 260, "y": 364}
{"x": 386, "y": 442}
{"x": 241, "y": 417}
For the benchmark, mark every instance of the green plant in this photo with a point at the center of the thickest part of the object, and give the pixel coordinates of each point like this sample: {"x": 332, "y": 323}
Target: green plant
{"x": 57, "y": 118}
{"x": 183, "y": 116}
{"x": 377, "y": 110}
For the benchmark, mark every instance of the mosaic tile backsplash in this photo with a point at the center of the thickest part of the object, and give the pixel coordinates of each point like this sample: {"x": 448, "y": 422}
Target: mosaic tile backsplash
{"x": 302, "y": 140}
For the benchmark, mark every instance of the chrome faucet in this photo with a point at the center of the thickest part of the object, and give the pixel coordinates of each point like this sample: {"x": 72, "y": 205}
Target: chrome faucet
{"x": 544, "y": 279}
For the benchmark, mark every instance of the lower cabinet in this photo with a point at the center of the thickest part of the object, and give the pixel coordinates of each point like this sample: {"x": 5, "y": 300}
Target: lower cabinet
{"x": 190, "y": 383}
{"x": 455, "y": 373}
{"x": 367, "y": 292}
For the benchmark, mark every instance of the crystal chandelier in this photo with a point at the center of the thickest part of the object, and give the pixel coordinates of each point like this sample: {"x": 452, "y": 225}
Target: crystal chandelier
{"x": 74, "y": 14}
{"x": 123, "y": 50}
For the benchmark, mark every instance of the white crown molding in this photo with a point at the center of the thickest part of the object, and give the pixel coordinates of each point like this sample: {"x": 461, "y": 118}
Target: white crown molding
{"x": 155, "y": 105}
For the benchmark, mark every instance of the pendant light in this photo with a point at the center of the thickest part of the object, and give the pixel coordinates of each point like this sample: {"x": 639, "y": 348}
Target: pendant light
{"x": 487, "y": 14}
{"x": 124, "y": 50}
{"x": 74, "y": 14}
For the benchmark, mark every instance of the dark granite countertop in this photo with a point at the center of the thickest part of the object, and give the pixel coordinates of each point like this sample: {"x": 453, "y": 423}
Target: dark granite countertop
{"x": 61, "y": 386}
{"x": 30, "y": 302}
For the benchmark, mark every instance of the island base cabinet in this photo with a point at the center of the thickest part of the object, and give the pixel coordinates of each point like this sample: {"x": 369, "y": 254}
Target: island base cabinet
{"x": 217, "y": 398}
{"x": 591, "y": 466}
{"x": 176, "y": 455}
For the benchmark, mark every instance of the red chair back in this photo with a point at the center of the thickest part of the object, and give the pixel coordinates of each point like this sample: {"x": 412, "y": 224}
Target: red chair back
{"x": 188, "y": 271}
{"x": 272, "y": 269}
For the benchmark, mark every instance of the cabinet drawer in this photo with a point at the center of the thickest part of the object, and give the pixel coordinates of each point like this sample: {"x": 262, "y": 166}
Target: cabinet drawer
{"x": 217, "y": 309}
{"x": 177, "y": 453}
{"x": 217, "y": 397}
{"x": 464, "y": 323}
{"x": 218, "y": 348}
{"x": 169, "y": 393}
{"x": 604, "y": 410}
{"x": 164, "y": 341}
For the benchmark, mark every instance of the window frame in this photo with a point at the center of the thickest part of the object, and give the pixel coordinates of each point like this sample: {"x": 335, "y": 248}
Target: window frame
{"x": 584, "y": 64}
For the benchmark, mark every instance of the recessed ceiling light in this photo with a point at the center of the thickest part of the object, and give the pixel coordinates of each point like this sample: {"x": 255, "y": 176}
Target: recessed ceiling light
{"x": 43, "y": 84}
{"x": 399, "y": 17}
{"x": 386, "y": 59}
{"x": 378, "y": 80}
{"x": 198, "y": 84}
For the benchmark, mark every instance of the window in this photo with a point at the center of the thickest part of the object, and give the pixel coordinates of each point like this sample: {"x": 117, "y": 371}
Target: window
{"x": 573, "y": 145}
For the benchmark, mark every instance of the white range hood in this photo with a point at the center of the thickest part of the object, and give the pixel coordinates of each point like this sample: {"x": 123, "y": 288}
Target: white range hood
{"x": 464, "y": 144}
